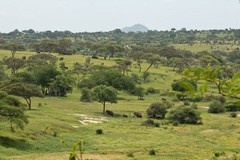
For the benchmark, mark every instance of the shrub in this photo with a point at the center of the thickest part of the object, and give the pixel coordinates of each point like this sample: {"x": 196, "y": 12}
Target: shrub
{"x": 157, "y": 110}
{"x": 216, "y": 107}
{"x": 152, "y": 90}
{"x": 130, "y": 155}
{"x": 156, "y": 124}
{"x": 233, "y": 106}
{"x": 148, "y": 122}
{"x": 99, "y": 131}
{"x": 86, "y": 95}
{"x": 186, "y": 103}
{"x": 184, "y": 115}
{"x": 211, "y": 97}
{"x": 233, "y": 114}
{"x": 151, "y": 123}
{"x": 152, "y": 152}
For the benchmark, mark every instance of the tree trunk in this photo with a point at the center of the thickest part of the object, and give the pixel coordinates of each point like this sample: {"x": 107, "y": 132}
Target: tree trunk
{"x": 140, "y": 67}
{"x": 104, "y": 106}
{"x": 29, "y": 103}
{"x": 149, "y": 67}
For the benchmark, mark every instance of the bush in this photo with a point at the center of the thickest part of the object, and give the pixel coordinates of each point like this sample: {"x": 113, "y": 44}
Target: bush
{"x": 233, "y": 106}
{"x": 148, "y": 122}
{"x": 99, "y": 131}
{"x": 152, "y": 90}
{"x": 184, "y": 115}
{"x": 156, "y": 124}
{"x": 186, "y": 103}
{"x": 130, "y": 155}
{"x": 86, "y": 95}
{"x": 151, "y": 123}
{"x": 233, "y": 114}
{"x": 216, "y": 107}
{"x": 211, "y": 97}
{"x": 152, "y": 152}
{"x": 157, "y": 110}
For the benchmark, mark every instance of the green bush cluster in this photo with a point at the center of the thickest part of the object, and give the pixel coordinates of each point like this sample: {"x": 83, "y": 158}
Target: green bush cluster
{"x": 216, "y": 107}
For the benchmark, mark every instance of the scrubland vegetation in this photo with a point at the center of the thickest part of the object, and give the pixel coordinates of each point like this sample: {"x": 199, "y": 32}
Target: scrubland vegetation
{"x": 114, "y": 95}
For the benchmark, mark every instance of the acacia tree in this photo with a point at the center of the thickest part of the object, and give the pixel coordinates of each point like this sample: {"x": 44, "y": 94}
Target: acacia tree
{"x": 14, "y": 48}
{"x": 152, "y": 59}
{"x": 14, "y": 64}
{"x": 25, "y": 90}
{"x": 80, "y": 71}
{"x": 104, "y": 94}
{"x": 138, "y": 58}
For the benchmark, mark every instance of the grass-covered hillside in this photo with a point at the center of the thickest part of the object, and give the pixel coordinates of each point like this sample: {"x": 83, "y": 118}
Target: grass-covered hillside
{"x": 57, "y": 123}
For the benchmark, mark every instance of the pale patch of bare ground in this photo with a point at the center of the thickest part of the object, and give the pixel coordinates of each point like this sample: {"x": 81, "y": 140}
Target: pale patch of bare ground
{"x": 65, "y": 156}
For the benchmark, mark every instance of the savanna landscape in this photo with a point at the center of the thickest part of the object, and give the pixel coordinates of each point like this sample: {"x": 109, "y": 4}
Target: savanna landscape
{"x": 66, "y": 78}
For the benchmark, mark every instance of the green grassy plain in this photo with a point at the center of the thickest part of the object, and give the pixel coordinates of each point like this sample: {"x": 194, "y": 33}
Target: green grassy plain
{"x": 121, "y": 135}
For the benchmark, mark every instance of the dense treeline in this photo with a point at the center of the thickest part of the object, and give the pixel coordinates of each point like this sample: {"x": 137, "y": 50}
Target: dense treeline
{"x": 66, "y": 42}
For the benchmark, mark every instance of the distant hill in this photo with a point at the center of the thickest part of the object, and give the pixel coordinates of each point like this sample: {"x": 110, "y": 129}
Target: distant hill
{"x": 136, "y": 28}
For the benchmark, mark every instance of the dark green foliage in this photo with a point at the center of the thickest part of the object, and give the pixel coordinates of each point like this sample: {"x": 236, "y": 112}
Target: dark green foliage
{"x": 113, "y": 78}
{"x": 233, "y": 106}
{"x": 184, "y": 115}
{"x": 157, "y": 110}
{"x": 139, "y": 92}
{"x": 186, "y": 103}
{"x": 45, "y": 75}
{"x": 216, "y": 107}
{"x": 104, "y": 94}
{"x": 233, "y": 114}
{"x": 152, "y": 90}
{"x": 152, "y": 152}
{"x": 233, "y": 56}
{"x": 86, "y": 95}
{"x": 12, "y": 111}
{"x": 150, "y": 123}
{"x": 62, "y": 85}
{"x": 99, "y": 131}
{"x": 86, "y": 83}
{"x": 25, "y": 90}
{"x": 156, "y": 124}
{"x": 184, "y": 85}
{"x": 130, "y": 155}
{"x": 26, "y": 77}
{"x": 14, "y": 64}
{"x": 3, "y": 75}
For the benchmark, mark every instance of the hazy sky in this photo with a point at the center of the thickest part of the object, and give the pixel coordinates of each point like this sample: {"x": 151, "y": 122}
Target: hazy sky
{"x": 105, "y": 15}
